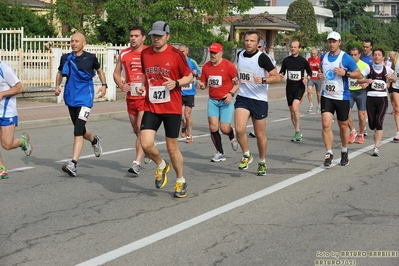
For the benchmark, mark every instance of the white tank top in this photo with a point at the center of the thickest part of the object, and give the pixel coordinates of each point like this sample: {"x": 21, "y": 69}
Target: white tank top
{"x": 247, "y": 68}
{"x": 333, "y": 85}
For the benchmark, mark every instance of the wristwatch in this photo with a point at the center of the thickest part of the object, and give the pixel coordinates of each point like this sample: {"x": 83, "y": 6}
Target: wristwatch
{"x": 105, "y": 85}
{"x": 232, "y": 94}
{"x": 263, "y": 80}
{"x": 347, "y": 73}
{"x": 177, "y": 84}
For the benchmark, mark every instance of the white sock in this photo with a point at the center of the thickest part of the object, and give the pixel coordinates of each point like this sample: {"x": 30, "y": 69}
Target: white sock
{"x": 181, "y": 179}
{"x": 162, "y": 165}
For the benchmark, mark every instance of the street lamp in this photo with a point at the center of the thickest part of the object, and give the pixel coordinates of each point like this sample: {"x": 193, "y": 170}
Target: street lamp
{"x": 340, "y": 18}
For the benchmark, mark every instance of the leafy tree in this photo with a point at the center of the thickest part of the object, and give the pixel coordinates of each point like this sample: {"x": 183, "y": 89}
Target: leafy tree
{"x": 302, "y": 13}
{"x": 346, "y": 11}
{"x": 79, "y": 15}
{"x": 16, "y": 16}
{"x": 191, "y": 22}
{"x": 259, "y": 2}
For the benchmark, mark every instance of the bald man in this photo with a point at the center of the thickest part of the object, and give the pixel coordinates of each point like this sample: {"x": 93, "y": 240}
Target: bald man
{"x": 79, "y": 67}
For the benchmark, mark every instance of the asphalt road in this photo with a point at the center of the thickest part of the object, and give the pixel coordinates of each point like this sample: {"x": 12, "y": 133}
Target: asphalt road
{"x": 298, "y": 214}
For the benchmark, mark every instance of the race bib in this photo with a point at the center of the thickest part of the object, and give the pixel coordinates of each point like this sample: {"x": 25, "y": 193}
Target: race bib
{"x": 379, "y": 85}
{"x": 215, "y": 81}
{"x": 133, "y": 89}
{"x": 330, "y": 87}
{"x": 353, "y": 83}
{"x": 246, "y": 76}
{"x": 159, "y": 94}
{"x": 294, "y": 75}
{"x": 84, "y": 113}
{"x": 314, "y": 74}
{"x": 186, "y": 88}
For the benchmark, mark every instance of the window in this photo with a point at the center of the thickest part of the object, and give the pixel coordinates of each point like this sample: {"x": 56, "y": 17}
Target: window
{"x": 393, "y": 10}
{"x": 377, "y": 10}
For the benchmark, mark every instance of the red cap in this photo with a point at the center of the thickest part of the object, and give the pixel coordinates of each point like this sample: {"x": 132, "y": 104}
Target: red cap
{"x": 215, "y": 47}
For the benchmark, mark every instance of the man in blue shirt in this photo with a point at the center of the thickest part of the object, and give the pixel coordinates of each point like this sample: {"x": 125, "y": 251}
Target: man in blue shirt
{"x": 188, "y": 92}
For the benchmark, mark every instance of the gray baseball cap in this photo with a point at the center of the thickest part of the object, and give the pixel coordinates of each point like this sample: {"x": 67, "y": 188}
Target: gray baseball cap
{"x": 160, "y": 28}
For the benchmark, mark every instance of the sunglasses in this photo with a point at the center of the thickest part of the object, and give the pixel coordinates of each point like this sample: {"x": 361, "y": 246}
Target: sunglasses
{"x": 260, "y": 46}
{"x": 354, "y": 54}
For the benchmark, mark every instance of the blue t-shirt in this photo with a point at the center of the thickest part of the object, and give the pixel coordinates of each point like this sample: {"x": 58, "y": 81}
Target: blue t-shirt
{"x": 185, "y": 90}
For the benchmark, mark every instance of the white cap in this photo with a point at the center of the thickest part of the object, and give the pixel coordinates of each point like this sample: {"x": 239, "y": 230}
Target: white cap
{"x": 334, "y": 35}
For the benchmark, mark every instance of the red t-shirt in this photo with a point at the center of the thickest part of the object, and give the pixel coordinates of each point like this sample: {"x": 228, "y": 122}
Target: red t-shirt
{"x": 314, "y": 66}
{"x": 219, "y": 78}
{"x": 131, "y": 66}
{"x": 170, "y": 63}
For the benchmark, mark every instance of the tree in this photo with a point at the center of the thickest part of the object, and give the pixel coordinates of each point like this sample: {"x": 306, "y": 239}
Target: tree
{"x": 302, "y": 13}
{"x": 191, "y": 22}
{"x": 16, "y": 16}
{"x": 79, "y": 15}
{"x": 346, "y": 11}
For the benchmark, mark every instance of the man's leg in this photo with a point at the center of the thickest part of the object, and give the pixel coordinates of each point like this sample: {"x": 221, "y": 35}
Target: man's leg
{"x": 310, "y": 97}
{"x": 189, "y": 123}
{"x": 261, "y": 139}
{"x": 327, "y": 133}
{"x": 241, "y": 117}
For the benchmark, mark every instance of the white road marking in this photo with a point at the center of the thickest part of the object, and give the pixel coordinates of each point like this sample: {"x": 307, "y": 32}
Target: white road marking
{"x": 129, "y": 248}
{"x": 20, "y": 169}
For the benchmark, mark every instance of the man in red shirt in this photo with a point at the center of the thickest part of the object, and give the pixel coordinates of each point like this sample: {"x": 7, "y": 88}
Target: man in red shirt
{"x": 129, "y": 63}
{"x": 220, "y": 75}
{"x": 314, "y": 62}
{"x": 165, "y": 70}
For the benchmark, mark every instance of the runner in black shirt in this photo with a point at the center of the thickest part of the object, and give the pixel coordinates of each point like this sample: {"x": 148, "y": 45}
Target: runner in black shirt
{"x": 295, "y": 66}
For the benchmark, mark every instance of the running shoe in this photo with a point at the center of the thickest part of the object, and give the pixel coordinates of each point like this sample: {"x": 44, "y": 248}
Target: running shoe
{"x": 245, "y": 161}
{"x": 97, "y": 147}
{"x": 318, "y": 110}
{"x": 234, "y": 144}
{"x": 376, "y": 152}
{"x": 310, "y": 108}
{"x": 218, "y": 157}
{"x": 297, "y": 136}
{"x": 352, "y": 136}
{"x": 328, "y": 159}
{"x": 252, "y": 134}
{"x": 393, "y": 111}
{"x": 261, "y": 169}
{"x": 344, "y": 159}
{"x": 70, "y": 169}
{"x": 26, "y": 145}
{"x": 396, "y": 138}
{"x": 135, "y": 168}
{"x": 360, "y": 139}
{"x": 3, "y": 173}
{"x": 189, "y": 139}
{"x": 161, "y": 177}
{"x": 180, "y": 190}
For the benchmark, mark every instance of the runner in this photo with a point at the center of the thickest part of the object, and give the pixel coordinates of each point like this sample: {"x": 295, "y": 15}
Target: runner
{"x": 165, "y": 70}
{"x": 358, "y": 95}
{"x": 188, "y": 93}
{"x": 379, "y": 77}
{"x": 219, "y": 75}
{"x": 129, "y": 63}
{"x": 256, "y": 71}
{"x": 367, "y": 55}
{"x": 395, "y": 95}
{"x": 314, "y": 62}
{"x": 337, "y": 67}
{"x": 295, "y": 65}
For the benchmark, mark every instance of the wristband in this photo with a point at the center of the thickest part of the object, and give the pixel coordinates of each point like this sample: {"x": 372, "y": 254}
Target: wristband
{"x": 105, "y": 85}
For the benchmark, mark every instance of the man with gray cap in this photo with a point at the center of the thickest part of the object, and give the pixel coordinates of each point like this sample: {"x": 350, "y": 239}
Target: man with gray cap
{"x": 336, "y": 67}
{"x": 165, "y": 70}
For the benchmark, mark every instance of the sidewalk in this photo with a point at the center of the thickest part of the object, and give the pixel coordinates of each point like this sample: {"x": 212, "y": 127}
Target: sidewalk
{"x": 41, "y": 114}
